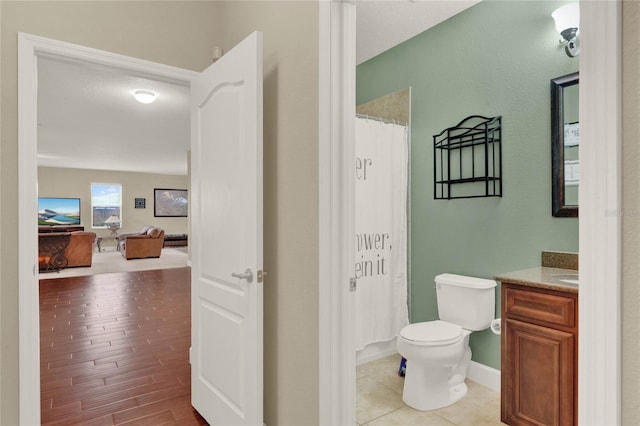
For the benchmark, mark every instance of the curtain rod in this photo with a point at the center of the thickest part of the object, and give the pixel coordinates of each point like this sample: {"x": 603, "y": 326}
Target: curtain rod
{"x": 383, "y": 120}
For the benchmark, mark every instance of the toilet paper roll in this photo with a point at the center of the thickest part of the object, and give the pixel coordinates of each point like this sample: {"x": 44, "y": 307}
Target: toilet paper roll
{"x": 495, "y": 325}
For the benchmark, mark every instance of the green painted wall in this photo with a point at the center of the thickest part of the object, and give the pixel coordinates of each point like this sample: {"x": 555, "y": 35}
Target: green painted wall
{"x": 496, "y": 58}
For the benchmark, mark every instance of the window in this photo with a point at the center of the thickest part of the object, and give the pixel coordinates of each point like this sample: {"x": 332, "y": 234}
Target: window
{"x": 106, "y": 201}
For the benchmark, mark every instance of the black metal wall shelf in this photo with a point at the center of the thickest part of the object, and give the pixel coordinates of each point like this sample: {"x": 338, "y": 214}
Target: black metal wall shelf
{"x": 467, "y": 159}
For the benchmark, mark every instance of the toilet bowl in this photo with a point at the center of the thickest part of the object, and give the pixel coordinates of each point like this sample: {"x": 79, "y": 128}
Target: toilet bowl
{"x": 436, "y": 364}
{"x": 438, "y": 352}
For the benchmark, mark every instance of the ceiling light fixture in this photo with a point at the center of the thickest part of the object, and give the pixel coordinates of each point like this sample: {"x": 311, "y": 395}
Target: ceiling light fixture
{"x": 144, "y": 96}
{"x": 567, "y": 20}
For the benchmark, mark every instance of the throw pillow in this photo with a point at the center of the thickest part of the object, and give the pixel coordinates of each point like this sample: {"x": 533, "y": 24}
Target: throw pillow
{"x": 154, "y": 232}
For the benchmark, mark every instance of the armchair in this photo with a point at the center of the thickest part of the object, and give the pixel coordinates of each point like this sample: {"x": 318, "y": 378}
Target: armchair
{"x": 147, "y": 243}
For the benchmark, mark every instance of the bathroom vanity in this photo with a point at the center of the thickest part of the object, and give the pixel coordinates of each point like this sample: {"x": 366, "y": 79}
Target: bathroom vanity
{"x": 539, "y": 347}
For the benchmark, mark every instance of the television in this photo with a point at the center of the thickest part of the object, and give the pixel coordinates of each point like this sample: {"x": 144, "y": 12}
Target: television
{"x": 58, "y": 211}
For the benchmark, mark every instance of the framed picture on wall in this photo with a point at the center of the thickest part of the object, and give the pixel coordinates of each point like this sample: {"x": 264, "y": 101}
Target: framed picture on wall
{"x": 170, "y": 202}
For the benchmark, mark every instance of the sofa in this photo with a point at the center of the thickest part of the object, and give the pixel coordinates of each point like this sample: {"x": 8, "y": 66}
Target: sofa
{"x": 139, "y": 245}
{"x": 59, "y": 250}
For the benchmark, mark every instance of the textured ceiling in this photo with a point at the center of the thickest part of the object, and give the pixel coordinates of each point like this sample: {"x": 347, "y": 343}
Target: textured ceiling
{"x": 87, "y": 117}
{"x": 384, "y": 24}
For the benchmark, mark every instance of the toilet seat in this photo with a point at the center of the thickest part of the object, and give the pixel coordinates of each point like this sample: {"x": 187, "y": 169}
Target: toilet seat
{"x": 432, "y": 333}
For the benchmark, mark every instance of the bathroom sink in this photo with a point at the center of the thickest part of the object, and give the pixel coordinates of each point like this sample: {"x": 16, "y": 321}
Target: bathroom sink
{"x": 567, "y": 278}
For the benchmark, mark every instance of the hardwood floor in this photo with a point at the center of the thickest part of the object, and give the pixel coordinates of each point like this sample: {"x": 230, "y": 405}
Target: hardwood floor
{"x": 114, "y": 349}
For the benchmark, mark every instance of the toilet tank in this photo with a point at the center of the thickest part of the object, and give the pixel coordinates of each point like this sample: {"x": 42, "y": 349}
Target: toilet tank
{"x": 466, "y": 301}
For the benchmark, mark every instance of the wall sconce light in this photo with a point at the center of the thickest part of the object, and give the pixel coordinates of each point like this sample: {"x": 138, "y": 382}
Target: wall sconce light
{"x": 567, "y": 20}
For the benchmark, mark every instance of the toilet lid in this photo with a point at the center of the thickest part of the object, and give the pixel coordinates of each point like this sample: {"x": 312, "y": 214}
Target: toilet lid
{"x": 432, "y": 332}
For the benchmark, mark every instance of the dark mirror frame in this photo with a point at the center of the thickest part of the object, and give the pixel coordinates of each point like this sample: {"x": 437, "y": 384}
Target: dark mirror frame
{"x": 559, "y": 209}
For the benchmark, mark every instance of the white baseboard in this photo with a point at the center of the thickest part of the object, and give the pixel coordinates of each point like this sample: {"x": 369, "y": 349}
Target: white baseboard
{"x": 479, "y": 373}
{"x": 486, "y": 376}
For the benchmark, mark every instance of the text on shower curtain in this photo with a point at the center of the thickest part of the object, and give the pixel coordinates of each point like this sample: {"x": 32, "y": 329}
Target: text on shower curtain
{"x": 371, "y": 254}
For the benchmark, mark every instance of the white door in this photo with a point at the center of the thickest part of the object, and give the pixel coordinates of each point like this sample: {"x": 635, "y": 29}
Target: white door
{"x": 226, "y": 215}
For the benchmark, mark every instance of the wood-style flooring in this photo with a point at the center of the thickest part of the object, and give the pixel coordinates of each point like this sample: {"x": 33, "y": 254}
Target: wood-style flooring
{"x": 114, "y": 349}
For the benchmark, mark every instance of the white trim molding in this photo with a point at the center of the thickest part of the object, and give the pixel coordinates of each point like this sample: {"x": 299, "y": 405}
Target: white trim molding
{"x": 29, "y": 48}
{"x": 28, "y": 297}
{"x": 42, "y": 46}
{"x": 600, "y": 216}
{"x": 336, "y": 223}
{"x": 484, "y": 375}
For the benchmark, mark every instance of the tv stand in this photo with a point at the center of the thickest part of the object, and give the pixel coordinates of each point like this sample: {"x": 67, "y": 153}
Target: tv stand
{"x": 59, "y": 228}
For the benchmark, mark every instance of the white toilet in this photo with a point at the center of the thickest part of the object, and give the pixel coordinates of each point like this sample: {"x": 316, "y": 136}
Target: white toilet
{"x": 438, "y": 352}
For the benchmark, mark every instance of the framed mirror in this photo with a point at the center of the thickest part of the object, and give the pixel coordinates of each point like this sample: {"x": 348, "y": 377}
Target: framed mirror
{"x": 565, "y": 143}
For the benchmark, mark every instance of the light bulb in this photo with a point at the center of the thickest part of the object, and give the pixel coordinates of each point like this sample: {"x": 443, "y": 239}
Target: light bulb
{"x": 566, "y": 17}
{"x": 144, "y": 96}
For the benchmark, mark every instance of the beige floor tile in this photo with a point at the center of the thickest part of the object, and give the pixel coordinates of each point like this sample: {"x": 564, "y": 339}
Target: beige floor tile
{"x": 406, "y": 416}
{"x": 375, "y": 399}
{"x": 480, "y": 407}
{"x": 393, "y": 381}
{"x": 384, "y": 370}
{"x": 380, "y": 401}
{"x": 381, "y": 366}
{"x": 360, "y": 372}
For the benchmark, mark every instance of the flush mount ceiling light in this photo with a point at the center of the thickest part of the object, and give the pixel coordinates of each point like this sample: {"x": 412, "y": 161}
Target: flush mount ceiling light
{"x": 567, "y": 20}
{"x": 144, "y": 96}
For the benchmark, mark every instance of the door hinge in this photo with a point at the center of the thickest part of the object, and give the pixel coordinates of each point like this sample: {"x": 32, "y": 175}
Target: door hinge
{"x": 353, "y": 283}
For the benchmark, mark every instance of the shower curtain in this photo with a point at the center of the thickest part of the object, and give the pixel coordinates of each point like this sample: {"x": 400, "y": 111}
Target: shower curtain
{"x": 381, "y": 230}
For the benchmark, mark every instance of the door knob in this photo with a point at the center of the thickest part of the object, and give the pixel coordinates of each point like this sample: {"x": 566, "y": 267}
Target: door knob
{"x": 246, "y": 275}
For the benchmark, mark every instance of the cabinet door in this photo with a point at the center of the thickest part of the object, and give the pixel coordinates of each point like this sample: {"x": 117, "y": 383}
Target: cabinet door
{"x": 539, "y": 375}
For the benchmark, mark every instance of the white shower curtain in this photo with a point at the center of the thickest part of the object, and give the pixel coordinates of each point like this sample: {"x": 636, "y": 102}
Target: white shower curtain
{"x": 381, "y": 230}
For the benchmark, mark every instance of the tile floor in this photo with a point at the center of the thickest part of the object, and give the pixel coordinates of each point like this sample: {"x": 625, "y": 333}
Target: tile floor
{"x": 379, "y": 401}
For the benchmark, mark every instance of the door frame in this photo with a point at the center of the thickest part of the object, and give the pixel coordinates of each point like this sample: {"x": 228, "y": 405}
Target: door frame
{"x": 336, "y": 216}
{"x": 600, "y": 216}
{"x": 29, "y": 48}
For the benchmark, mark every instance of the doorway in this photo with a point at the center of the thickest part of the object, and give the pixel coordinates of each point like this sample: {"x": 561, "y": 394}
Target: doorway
{"x": 30, "y": 48}
{"x": 599, "y": 231}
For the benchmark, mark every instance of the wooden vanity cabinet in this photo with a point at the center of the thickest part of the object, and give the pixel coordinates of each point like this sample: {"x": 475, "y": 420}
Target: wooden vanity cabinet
{"x": 539, "y": 356}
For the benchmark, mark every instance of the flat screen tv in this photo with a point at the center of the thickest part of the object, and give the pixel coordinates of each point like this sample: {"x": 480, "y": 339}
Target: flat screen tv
{"x": 58, "y": 211}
